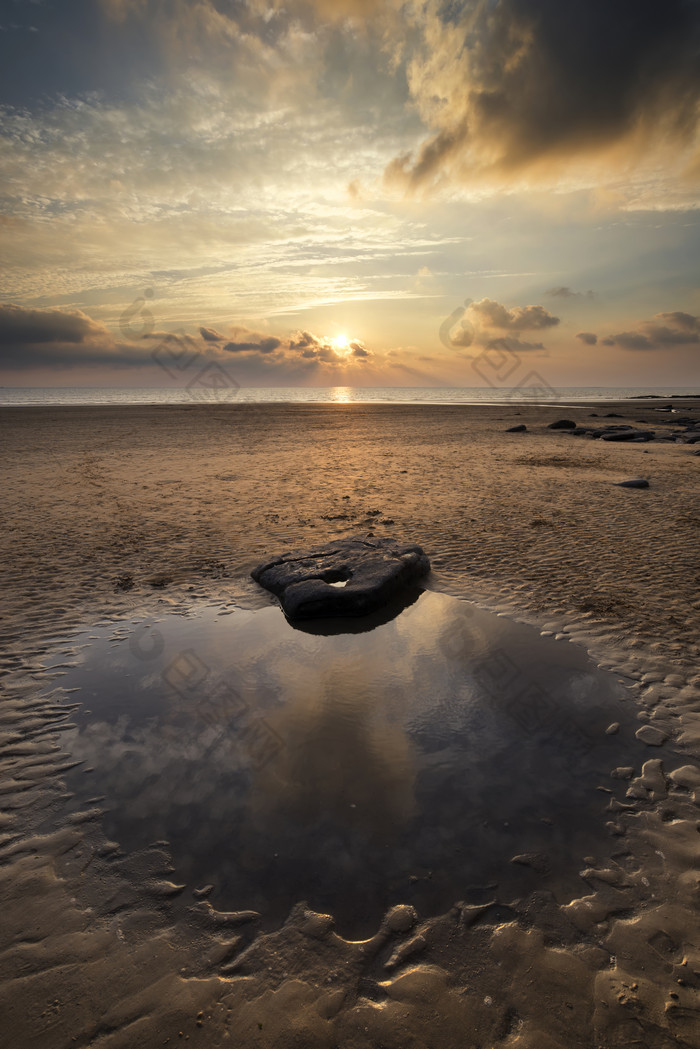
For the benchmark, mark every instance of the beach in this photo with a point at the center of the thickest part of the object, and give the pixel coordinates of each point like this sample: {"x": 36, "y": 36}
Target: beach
{"x": 121, "y": 514}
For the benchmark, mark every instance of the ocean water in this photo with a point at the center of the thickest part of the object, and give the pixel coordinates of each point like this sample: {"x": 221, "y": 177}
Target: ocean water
{"x": 11, "y": 396}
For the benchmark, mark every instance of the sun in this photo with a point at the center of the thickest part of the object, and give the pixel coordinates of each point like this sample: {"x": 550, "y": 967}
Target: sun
{"x": 341, "y": 343}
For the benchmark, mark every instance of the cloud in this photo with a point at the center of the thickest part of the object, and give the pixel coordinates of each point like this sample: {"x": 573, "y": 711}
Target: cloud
{"x": 463, "y": 337}
{"x": 491, "y": 314}
{"x": 300, "y": 348}
{"x": 663, "y": 330}
{"x": 61, "y": 339}
{"x": 263, "y": 344}
{"x": 587, "y": 337}
{"x": 476, "y": 324}
{"x": 680, "y": 320}
{"x": 58, "y": 340}
{"x": 211, "y": 335}
{"x": 516, "y": 86}
{"x": 632, "y": 340}
{"x": 512, "y": 344}
{"x": 20, "y": 326}
{"x": 563, "y": 292}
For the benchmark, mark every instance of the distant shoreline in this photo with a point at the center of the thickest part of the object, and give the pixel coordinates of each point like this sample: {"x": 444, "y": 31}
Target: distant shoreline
{"x": 536, "y": 393}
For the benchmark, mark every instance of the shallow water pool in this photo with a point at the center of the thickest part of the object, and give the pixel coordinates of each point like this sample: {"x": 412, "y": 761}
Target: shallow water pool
{"x": 411, "y": 762}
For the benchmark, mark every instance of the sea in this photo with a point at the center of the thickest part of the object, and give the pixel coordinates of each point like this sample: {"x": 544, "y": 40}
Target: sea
{"x": 17, "y": 396}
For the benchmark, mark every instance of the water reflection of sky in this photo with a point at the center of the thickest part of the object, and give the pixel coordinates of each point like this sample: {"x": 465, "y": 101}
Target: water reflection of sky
{"x": 406, "y": 763}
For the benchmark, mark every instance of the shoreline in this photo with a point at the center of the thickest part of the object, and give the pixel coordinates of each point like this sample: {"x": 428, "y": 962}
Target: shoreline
{"x": 512, "y": 401}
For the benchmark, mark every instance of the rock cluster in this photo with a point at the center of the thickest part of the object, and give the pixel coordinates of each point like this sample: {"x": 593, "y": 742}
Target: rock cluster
{"x": 689, "y": 434}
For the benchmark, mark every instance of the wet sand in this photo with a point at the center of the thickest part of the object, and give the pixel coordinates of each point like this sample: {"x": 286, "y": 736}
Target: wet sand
{"x": 121, "y": 514}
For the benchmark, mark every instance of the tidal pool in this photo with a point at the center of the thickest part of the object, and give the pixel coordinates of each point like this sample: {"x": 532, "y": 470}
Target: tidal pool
{"x": 409, "y": 762}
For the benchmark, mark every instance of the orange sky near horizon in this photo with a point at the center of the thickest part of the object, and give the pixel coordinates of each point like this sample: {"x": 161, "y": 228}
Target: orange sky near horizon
{"x": 454, "y": 190}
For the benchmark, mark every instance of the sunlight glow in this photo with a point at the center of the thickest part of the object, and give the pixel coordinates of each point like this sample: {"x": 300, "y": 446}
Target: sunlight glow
{"x": 341, "y": 344}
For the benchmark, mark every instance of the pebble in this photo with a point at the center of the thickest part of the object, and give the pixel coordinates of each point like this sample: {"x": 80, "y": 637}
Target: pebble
{"x": 611, "y": 730}
{"x": 401, "y": 918}
{"x": 653, "y": 737}
{"x": 686, "y": 776}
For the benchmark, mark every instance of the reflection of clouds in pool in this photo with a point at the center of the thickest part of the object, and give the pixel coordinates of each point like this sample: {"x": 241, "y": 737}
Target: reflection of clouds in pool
{"x": 343, "y": 759}
{"x": 399, "y": 772}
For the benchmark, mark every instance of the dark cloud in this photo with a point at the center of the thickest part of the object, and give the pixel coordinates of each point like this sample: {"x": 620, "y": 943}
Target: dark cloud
{"x": 211, "y": 335}
{"x": 632, "y": 340}
{"x": 301, "y": 347}
{"x": 32, "y": 338}
{"x": 19, "y": 326}
{"x": 682, "y": 321}
{"x": 58, "y": 340}
{"x": 492, "y": 314}
{"x": 510, "y": 84}
{"x": 662, "y": 331}
{"x": 263, "y": 345}
{"x": 563, "y": 292}
{"x": 512, "y": 344}
{"x": 303, "y": 339}
{"x": 588, "y": 337}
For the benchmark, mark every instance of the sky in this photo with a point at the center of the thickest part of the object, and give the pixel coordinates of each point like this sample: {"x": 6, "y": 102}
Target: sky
{"x": 350, "y": 192}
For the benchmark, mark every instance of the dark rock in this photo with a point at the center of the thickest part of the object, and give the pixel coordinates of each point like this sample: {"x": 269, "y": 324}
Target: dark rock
{"x": 562, "y": 424}
{"x": 520, "y": 428}
{"x": 628, "y": 435}
{"x": 613, "y": 415}
{"x": 370, "y": 572}
{"x": 636, "y": 482}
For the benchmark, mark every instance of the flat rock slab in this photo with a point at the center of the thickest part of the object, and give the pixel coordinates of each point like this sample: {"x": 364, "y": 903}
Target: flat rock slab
{"x": 628, "y": 435}
{"x": 347, "y": 577}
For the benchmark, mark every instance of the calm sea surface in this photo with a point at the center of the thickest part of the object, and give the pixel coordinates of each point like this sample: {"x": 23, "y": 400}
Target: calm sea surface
{"x": 16, "y": 396}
